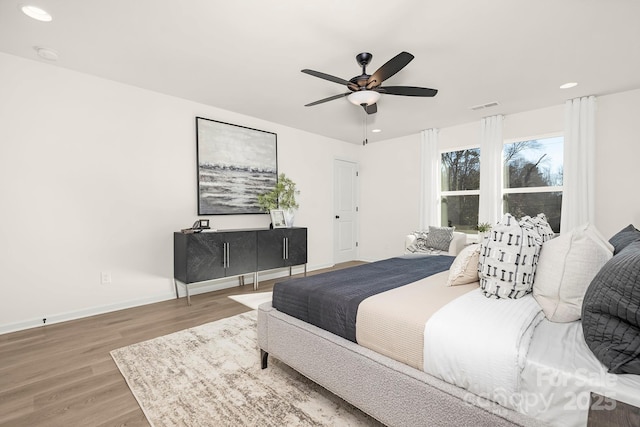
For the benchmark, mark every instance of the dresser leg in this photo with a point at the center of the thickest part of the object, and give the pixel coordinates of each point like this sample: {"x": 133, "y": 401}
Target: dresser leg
{"x": 188, "y": 296}
{"x": 175, "y": 284}
{"x": 255, "y": 281}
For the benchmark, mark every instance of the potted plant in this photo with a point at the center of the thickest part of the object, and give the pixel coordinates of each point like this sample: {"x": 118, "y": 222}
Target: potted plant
{"x": 283, "y": 196}
{"x": 483, "y": 230}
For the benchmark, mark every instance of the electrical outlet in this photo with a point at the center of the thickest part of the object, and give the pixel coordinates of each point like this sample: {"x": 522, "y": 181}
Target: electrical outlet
{"x": 105, "y": 277}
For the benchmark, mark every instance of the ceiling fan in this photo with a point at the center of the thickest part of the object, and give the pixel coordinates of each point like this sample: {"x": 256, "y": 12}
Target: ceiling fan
{"x": 365, "y": 90}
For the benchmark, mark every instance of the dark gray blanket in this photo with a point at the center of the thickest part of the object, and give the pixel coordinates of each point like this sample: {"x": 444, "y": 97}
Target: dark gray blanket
{"x": 330, "y": 300}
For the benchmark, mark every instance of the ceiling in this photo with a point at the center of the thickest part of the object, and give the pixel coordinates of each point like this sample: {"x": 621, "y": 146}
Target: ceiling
{"x": 246, "y": 55}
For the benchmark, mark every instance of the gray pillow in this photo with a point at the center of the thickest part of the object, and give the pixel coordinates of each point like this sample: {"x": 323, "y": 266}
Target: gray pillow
{"x": 440, "y": 237}
{"x": 611, "y": 312}
{"x": 624, "y": 237}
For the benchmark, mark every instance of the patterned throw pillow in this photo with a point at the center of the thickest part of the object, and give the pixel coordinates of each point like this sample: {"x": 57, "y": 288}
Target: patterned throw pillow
{"x": 508, "y": 259}
{"x": 542, "y": 226}
{"x": 420, "y": 243}
{"x": 439, "y": 238}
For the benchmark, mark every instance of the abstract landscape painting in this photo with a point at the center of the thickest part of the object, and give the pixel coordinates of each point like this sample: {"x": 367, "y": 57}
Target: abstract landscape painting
{"x": 235, "y": 165}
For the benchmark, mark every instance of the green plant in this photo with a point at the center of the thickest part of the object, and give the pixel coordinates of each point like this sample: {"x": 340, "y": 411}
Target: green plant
{"x": 283, "y": 195}
{"x": 483, "y": 227}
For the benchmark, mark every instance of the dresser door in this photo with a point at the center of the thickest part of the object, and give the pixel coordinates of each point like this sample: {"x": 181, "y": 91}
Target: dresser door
{"x": 204, "y": 259}
{"x": 241, "y": 252}
{"x": 296, "y": 246}
{"x": 271, "y": 249}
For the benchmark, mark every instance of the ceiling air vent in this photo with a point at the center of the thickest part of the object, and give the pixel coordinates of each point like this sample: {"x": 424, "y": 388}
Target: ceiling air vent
{"x": 483, "y": 106}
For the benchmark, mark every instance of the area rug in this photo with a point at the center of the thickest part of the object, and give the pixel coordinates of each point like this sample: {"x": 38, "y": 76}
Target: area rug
{"x": 252, "y": 300}
{"x": 210, "y": 376}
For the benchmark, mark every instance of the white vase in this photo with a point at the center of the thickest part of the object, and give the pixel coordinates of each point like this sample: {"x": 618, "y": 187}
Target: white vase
{"x": 289, "y": 215}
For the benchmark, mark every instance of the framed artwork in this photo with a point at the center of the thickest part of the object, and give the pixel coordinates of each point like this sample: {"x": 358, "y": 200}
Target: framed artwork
{"x": 235, "y": 165}
{"x": 277, "y": 218}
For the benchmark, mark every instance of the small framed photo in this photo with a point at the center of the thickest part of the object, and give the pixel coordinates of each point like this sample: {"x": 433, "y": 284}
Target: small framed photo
{"x": 277, "y": 218}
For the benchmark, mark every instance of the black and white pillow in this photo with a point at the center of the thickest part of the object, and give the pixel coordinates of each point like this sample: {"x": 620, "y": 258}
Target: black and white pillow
{"x": 508, "y": 258}
{"x": 440, "y": 238}
{"x": 541, "y": 225}
{"x": 420, "y": 242}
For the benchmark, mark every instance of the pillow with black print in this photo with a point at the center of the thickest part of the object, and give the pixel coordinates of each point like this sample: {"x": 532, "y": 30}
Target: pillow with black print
{"x": 542, "y": 226}
{"x": 508, "y": 258}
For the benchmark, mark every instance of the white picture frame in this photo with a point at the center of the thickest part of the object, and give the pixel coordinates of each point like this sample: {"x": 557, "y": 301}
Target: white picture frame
{"x": 277, "y": 218}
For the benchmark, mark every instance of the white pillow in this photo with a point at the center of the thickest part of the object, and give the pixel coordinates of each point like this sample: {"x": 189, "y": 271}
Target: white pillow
{"x": 508, "y": 259}
{"x": 566, "y": 267}
{"x": 464, "y": 269}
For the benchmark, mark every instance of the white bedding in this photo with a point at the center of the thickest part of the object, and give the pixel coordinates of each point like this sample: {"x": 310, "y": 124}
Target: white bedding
{"x": 480, "y": 344}
{"x": 561, "y": 371}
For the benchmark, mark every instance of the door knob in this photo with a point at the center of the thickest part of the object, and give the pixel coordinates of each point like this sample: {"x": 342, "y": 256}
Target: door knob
{"x": 337, "y": 216}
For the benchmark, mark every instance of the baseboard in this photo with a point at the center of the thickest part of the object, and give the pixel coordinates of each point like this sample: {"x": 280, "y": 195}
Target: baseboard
{"x": 79, "y": 314}
{"x": 205, "y": 287}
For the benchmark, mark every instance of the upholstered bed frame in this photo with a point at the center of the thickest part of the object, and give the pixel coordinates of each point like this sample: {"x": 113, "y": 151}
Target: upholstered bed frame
{"x": 389, "y": 391}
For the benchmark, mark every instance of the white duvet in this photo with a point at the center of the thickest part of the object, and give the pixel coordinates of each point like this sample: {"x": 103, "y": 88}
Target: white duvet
{"x": 480, "y": 344}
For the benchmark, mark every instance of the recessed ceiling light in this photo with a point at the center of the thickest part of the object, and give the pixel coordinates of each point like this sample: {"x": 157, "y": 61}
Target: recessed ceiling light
{"x": 569, "y": 85}
{"x": 36, "y": 13}
{"x": 376, "y": 130}
{"x": 46, "y": 53}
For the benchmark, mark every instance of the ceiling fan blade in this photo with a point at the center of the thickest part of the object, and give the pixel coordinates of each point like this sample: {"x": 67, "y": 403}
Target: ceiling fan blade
{"x": 371, "y": 109}
{"x": 331, "y": 98}
{"x": 328, "y": 77}
{"x": 407, "y": 91}
{"x": 391, "y": 67}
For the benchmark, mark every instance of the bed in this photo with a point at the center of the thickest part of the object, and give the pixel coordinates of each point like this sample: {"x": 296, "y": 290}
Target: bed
{"x": 427, "y": 361}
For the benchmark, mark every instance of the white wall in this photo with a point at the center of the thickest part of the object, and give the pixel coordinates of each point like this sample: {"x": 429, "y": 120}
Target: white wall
{"x": 95, "y": 176}
{"x": 389, "y": 196}
{"x": 394, "y": 170}
{"x": 617, "y": 161}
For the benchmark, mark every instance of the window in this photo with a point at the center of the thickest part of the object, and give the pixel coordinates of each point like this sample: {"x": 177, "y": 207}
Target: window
{"x": 533, "y": 178}
{"x": 460, "y": 189}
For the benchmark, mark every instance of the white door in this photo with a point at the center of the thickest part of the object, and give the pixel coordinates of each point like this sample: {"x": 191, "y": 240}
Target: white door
{"x": 345, "y": 226}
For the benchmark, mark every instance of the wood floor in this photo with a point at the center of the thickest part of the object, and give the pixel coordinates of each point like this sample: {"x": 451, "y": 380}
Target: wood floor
{"x": 63, "y": 374}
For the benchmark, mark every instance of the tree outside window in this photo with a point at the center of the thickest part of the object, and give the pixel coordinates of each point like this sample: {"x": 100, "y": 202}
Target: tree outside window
{"x": 460, "y": 189}
{"x": 533, "y": 178}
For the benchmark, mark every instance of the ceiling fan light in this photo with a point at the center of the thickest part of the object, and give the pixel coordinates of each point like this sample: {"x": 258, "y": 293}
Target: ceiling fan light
{"x": 366, "y": 97}
{"x": 36, "y": 13}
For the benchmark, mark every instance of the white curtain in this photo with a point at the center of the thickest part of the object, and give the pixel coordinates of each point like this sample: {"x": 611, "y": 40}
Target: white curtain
{"x": 490, "y": 169}
{"x": 579, "y": 158}
{"x": 429, "y": 200}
